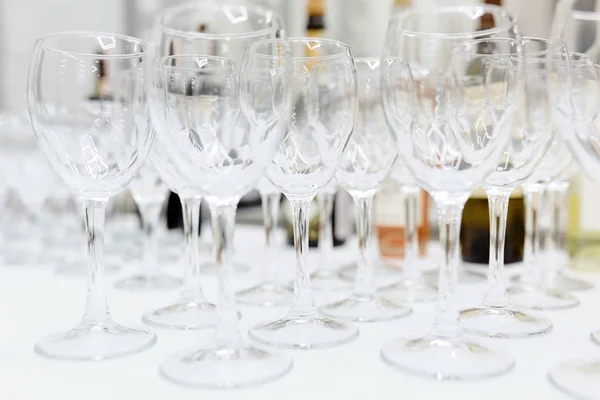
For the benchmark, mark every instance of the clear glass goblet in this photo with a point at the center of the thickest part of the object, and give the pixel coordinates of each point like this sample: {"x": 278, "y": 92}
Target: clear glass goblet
{"x": 218, "y": 29}
{"x": 366, "y": 163}
{"x": 96, "y": 145}
{"x": 269, "y": 291}
{"x": 449, "y": 160}
{"x": 321, "y": 86}
{"x": 149, "y": 193}
{"x": 215, "y": 154}
{"x": 531, "y": 129}
{"x": 536, "y": 288}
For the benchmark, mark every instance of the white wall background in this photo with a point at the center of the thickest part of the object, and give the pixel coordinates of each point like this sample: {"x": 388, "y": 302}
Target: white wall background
{"x": 361, "y": 23}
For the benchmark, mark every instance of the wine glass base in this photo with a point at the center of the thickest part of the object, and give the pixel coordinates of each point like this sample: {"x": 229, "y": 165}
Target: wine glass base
{"x": 329, "y": 280}
{"x": 541, "y": 299}
{"x": 446, "y": 358}
{"x": 212, "y": 268}
{"x": 80, "y": 269}
{"x": 95, "y": 342}
{"x": 577, "y": 378}
{"x": 304, "y": 332}
{"x": 226, "y": 367}
{"x": 365, "y": 309}
{"x": 409, "y": 292}
{"x": 567, "y": 283}
{"x": 148, "y": 282}
{"x": 500, "y": 322}
{"x": 465, "y": 275}
{"x": 382, "y": 271}
{"x": 185, "y": 314}
{"x": 596, "y": 337}
{"x": 266, "y": 295}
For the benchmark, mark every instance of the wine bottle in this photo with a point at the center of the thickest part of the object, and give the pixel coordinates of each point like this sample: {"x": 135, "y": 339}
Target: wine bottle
{"x": 475, "y": 229}
{"x": 389, "y": 222}
{"x": 584, "y": 223}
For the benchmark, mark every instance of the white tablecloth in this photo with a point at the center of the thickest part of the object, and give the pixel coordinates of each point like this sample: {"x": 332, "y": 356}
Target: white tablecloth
{"x": 35, "y": 302}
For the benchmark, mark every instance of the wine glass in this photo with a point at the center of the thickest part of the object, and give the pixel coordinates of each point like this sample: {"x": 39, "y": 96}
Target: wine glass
{"x": 534, "y": 289}
{"x": 269, "y": 291}
{"x": 448, "y": 159}
{"x": 96, "y": 145}
{"x": 215, "y": 155}
{"x": 366, "y": 163}
{"x": 531, "y": 129}
{"x": 209, "y": 28}
{"x": 321, "y": 82}
{"x": 149, "y": 193}
{"x": 580, "y": 377}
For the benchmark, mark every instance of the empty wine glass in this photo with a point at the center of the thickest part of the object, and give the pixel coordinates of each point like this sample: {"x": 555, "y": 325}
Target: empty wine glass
{"x": 531, "y": 129}
{"x": 366, "y": 163}
{"x": 448, "y": 159}
{"x": 223, "y": 160}
{"x": 96, "y": 145}
{"x": 534, "y": 288}
{"x": 321, "y": 82}
{"x": 269, "y": 291}
{"x": 149, "y": 193}
{"x": 209, "y": 28}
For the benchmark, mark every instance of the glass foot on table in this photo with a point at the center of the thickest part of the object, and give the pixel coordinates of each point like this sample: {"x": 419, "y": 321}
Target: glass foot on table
{"x": 366, "y": 309}
{"x": 183, "y": 315}
{"x": 382, "y": 271}
{"x": 465, "y": 275}
{"x": 304, "y": 332}
{"x": 329, "y": 280}
{"x": 596, "y": 337}
{"x": 535, "y": 298}
{"x": 226, "y": 367}
{"x": 148, "y": 282}
{"x": 567, "y": 283}
{"x": 211, "y": 268}
{"x": 407, "y": 291}
{"x": 446, "y": 358}
{"x": 577, "y": 378}
{"x": 95, "y": 342}
{"x": 498, "y": 322}
{"x": 266, "y": 295}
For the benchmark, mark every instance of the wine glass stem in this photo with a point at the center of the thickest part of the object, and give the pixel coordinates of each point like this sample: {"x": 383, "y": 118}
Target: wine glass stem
{"x": 325, "y": 202}
{"x": 560, "y": 208}
{"x": 304, "y": 304}
{"x": 223, "y": 223}
{"x": 96, "y": 307}
{"x": 364, "y": 285}
{"x": 150, "y": 213}
{"x": 270, "y": 208}
{"x": 498, "y": 199}
{"x": 531, "y": 197}
{"x": 192, "y": 288}
{"x": 446, "y": 322}
{"x": 410, "y": 195}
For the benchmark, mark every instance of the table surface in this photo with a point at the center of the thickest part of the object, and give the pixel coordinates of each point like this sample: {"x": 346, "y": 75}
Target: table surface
{"x": 35, "y": 301}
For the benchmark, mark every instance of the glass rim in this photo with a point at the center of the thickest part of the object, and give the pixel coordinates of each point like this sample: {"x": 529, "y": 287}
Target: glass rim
{"x": 226, "y": 62}
{"x": 522, "y": 43}
{"x": 90, "y": 34}
{"x": 497, "y": 10}
{"x": 251, "y": 49}
{"x": 175, "y": 10}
